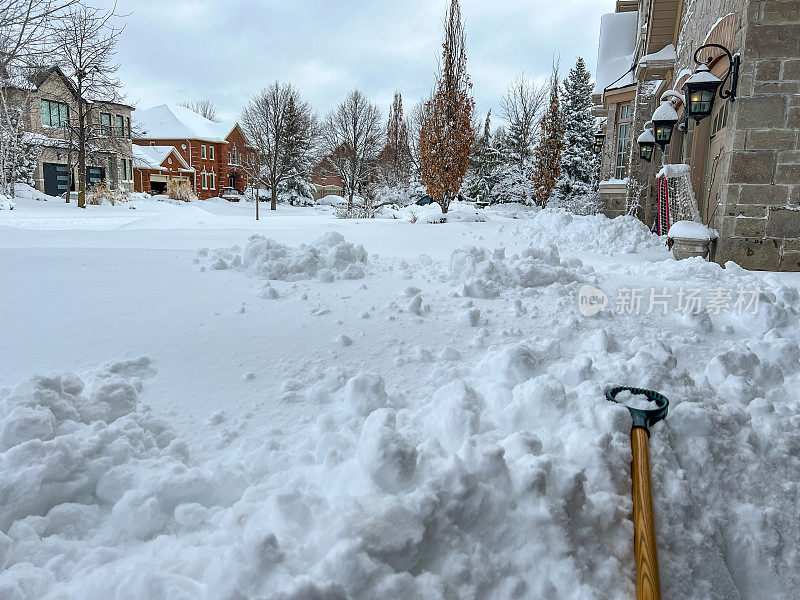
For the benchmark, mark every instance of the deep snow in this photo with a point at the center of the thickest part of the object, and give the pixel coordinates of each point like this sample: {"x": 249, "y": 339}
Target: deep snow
{"x": 379, "y": 409}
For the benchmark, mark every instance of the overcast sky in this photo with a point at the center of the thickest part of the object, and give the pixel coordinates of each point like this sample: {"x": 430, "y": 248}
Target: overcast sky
{"x": 225, "y": 50}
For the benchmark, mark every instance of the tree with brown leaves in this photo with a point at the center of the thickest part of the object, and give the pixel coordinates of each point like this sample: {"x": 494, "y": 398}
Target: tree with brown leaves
{"x": 547, "y": 155}
{"x": 447, "y": 135}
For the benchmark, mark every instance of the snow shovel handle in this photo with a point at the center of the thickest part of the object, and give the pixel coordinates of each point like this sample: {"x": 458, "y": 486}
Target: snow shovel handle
{"x": 648, "y": 586}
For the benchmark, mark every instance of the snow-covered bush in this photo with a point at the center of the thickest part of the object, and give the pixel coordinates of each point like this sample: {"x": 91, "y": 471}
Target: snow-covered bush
{"x": 6, "y": 203}
{"x": 297, "y": 191}
{"x": 588, "y": 204}
{"x": 180, "y": 190}
{"x": 362, "y": 208}
{"x": 100, "y": 192}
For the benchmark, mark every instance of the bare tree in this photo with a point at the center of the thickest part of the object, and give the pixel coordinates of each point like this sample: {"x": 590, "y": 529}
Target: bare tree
{"x": 85, "y": 44}
{"x": 522, "y": 107}
{"x": 25, "y": 26}
{"x": 282, "y": 127}
{"x": 204, "y": 108}
{"x": 351, "y": 138}
{"x": 24, "y": 29}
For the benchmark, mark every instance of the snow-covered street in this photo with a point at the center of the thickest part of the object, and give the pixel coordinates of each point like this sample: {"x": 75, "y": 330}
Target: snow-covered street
{"x": 381, "y": 409}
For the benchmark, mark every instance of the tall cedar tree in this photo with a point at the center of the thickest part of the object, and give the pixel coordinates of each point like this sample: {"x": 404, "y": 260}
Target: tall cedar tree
{"x": 395, "y": 159}
{"x": 447, "y": 135}
{"x": 547, "y": 155}
{"x": 578, "y": 161}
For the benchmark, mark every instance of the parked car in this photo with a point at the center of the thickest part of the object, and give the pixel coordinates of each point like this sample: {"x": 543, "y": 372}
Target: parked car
{"x": 424, "y": 201}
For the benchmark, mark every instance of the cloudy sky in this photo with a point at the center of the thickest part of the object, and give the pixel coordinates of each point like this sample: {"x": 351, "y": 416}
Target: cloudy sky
{"x": 225, "y": 50}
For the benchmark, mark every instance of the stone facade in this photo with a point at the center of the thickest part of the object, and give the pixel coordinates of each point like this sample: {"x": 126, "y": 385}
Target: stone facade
{"x": 110, "y": 150}
{"x": 756, "y": 174}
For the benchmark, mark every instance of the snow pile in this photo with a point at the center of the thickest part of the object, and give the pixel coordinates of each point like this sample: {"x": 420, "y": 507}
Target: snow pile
{"x": 6, "y": 203}
{"x": 327, "y": 259}
{"x": 485, "y": 274}
{"x": 595, "y": 233}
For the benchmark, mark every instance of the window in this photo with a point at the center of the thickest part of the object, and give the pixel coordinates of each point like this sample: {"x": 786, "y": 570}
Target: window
{"x": 203, "y": 152}
{"x": 119, "y": 130}
{"x": 128, "y": 123}
{"x": 124, "y": 170}
{"x": 233, "y": 156}
{"x": 54, "y": 114}
{"x": 211, "y": 180}
{"x": 211, "y": 153}
{"x": 152, "y": 143}
{"x": 623, "y": 141}
{"x": 205, "y": 179}
{"x": 105, "y": 124}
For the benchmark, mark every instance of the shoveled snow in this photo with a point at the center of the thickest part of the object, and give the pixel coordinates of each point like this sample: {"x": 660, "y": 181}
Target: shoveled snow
{"x": 448, "y": 446}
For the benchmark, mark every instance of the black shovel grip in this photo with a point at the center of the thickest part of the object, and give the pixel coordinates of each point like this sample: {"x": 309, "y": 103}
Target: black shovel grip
{"x": 642, "y": 418}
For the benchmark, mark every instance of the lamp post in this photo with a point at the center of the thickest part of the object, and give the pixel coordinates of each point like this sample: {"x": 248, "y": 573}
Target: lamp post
{"x": 703, "y": 85}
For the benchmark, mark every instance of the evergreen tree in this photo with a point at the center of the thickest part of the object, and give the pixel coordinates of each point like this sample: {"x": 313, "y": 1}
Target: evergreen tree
{"x": 19, "y": 156}
{"x": 547, "y": 155}
{"x": 446, "y": 135}
{"x": 578, "y": 160}
{"x": 485, "y": 162}
{"x": 395, "y": 159}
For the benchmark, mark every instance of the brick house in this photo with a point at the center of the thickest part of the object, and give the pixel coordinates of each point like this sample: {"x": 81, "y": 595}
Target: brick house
{"x": 155, "y": 166}
{"x": 49, "y": 104}
{"x": 325, "y": 180}
{"x": 744, "y": 159}
{"x": 216, "y": 152}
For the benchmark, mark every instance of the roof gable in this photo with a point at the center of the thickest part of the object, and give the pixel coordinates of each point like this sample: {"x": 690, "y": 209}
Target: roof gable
{"x": 154, "y": 157}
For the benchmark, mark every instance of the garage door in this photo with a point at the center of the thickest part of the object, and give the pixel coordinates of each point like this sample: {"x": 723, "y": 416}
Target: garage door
{"x": 56, "y": 179}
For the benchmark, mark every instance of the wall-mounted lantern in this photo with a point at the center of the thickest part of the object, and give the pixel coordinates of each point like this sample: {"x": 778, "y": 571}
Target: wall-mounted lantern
{"x": 703, "y": 85}
{"x": 666, "y": 117}
{"x": 599, "y": 139}
{"x": 647, "y": 142}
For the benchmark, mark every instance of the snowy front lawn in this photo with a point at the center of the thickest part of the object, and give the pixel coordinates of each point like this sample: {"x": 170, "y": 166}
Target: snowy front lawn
{"x": 194, "y": 406}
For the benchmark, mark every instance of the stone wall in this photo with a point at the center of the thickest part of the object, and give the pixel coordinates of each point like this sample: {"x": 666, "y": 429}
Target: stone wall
{"x": 760, "y": 224}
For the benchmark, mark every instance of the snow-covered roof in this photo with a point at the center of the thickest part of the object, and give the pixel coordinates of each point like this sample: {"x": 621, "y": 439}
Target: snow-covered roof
{"x": 666, "y": 54}
{"x": 169, "y": 121}
{"x": 152, "y": 157}
{"x": 615, "y": 53}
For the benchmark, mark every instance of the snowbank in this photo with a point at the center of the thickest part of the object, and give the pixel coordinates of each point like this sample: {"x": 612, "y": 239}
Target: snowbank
{"x": 327, "y": 259}
{"x": 595, "y": 233}
{"x": 482, "y": 274}
{"x": 6, "y": 203}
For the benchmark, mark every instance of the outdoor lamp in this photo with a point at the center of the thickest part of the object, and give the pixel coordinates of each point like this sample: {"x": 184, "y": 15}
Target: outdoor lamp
{"x": 664, "y": 120}
{"x": 647, "y": 142}
{"x": 703, "y": 85}
{"x": 599, "y": 138}
{"x": 700, "y": 90}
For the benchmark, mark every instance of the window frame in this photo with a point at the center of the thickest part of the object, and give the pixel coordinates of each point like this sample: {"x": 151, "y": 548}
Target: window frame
{"x": 119, "y": 126}
{"x": 622, "y": 143}
{"x": 203, "y": 151}
{"x": 105, "y": 128}
{"x": 204, "y": 177}
{"x": 63, "y": 117}
{"x": 210, "y": 152}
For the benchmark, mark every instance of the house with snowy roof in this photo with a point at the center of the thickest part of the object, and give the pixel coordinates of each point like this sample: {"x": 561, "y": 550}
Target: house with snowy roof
{"x": 154, "y": 166}
{"x": 48, "y": 101}
{"x": 738, "y": 163}
{"x": 214, "y": 155}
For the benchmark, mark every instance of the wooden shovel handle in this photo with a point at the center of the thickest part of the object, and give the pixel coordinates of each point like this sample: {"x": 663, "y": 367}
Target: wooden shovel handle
{"x": 644, "y": 532}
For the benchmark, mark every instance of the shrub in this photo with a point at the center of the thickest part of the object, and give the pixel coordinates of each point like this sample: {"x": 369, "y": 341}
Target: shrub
{"x": 100, "y": 191}
{"x": 179, "y": 189}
